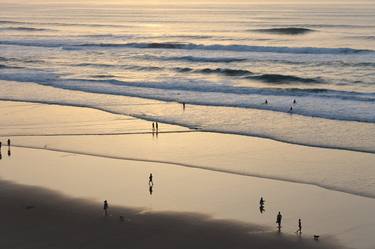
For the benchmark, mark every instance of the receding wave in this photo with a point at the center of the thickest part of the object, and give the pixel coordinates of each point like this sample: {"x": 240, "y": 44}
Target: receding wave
{"x": 286, "y": 31}
{"x": 239, "y": 48}
{"x": 24, "y": 29}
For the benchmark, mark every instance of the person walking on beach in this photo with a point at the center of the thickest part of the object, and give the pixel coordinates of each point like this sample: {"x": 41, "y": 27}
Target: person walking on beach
{"x": 299, "y": 231}
{"x": 150, "y": 180}
{"x": 105, "y": 207}
{"x": 153, "y": 126}
{"x": 261, "y": 202}
{"x": 8, "y": 142}
{"x": 278, "y": 220}
{"x": 157, "y": 126}
{"x": 0, "y": 145}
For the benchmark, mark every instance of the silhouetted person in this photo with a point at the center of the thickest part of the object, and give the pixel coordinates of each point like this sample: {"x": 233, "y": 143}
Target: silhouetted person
{"x": 291, "y": 109}
{"x": 183, "y": 105}
{"x": 261, "y": 209}
{"x": 294, "y": 102}
{"x": 266, "y": 102}
{"x": 278, "y": 220}
{"x": 299, "y": 226}
{"x": 261, "y": 202}
{"x": 1, "y": 156}
{"x": 150, "y": 189}
{"x": 157, "y": 126}
{"x": 105, "y": 207}
{"x": 0, "y": 145}
{"x": 9, "y": 153}
{"x": 153, "y": 126}
{"x": 150, "y": 180}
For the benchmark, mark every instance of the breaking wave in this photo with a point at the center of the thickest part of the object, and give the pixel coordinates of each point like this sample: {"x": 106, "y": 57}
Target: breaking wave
{"x": 286, "y": 31}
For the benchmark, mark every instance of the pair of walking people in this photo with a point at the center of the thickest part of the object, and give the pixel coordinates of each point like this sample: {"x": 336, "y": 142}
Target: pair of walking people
{"x": 279, "y": 218}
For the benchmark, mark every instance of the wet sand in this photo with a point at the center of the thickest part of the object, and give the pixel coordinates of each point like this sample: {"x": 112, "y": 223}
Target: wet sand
{"x": 116, "y": 167}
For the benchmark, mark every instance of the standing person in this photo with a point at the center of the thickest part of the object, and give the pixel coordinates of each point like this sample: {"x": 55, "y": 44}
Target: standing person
{"x": 183, "y": 105}
{"x": 153, "y": 126}
{"x": 157, "y": 126}
{"x": 261, "y": 202}
{"x": 8, "y": 142}
{"x": 278, "y": 220}
{"x": 150, "y": 180}
{"x": 105, "y": 207}
{"x": 0, "y": 145}
{"x": 299, "y": 226}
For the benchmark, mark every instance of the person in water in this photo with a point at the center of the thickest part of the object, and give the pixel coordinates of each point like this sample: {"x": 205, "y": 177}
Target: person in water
{"x": 105, "y": 207}
{"x": 266, "y": 102}
{"x": 153, "y": 126}
{"x": 278, "y": 220}
{"x": 294, "y": 102}
{"x": 291, "y": 109}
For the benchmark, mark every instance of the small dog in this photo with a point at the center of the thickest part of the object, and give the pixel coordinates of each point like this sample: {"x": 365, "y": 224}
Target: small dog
{"x": 316, "y": 237}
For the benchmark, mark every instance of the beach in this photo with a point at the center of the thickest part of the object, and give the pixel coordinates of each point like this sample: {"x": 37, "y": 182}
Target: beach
{"x": 206, "y": 186}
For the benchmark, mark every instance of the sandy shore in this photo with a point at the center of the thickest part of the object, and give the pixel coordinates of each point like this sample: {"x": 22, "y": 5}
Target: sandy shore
{"x": 205, "y": 184}
{"x": 33, "y": 217}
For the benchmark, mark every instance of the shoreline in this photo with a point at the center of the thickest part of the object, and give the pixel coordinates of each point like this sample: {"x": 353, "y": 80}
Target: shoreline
{"x": 223, "y": 175}
{"x": 192, "y": 128}
{"x": 194, "y": 167}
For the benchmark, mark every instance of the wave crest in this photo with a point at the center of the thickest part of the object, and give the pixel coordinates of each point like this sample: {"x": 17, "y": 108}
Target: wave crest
{"x": 286, "y": 31}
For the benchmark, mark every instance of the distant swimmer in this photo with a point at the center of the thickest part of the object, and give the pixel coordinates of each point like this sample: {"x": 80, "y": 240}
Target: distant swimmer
{"x": 291, "y": 109}
{"x": 294, "y": 101}
{"x": 278, "y": 220}
{"x": 105, "y": 207}
{"x": 266, "y": 102}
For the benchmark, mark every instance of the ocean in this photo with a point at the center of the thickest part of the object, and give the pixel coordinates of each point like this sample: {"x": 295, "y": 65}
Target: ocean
{"x": 223, "y": 60}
